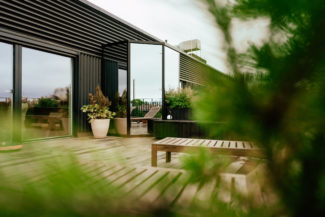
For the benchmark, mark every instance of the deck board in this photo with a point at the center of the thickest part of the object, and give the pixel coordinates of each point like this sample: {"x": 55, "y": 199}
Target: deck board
{"x": 124, "y": 163}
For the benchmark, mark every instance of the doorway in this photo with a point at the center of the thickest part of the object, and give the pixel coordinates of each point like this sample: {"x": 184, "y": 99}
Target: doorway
{"x": 145, "y": 86}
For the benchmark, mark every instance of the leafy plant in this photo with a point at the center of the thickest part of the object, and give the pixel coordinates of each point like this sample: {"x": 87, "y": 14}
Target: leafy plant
{"x": 46, "y": 103}
{"x": 275, "y": 97}
{"x": 137, "y": 102}
{"x": 98, "y": 107}
{"x": 121, "y": 106}
{"x": 180, "y": 98}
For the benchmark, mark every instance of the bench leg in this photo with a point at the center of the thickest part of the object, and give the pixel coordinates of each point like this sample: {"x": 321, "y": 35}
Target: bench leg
{"x": 168, "y": 156}
{"x": 153, "y": 156}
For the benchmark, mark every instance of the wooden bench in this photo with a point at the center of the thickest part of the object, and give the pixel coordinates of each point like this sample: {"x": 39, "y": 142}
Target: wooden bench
{"x": 171, "y": 144}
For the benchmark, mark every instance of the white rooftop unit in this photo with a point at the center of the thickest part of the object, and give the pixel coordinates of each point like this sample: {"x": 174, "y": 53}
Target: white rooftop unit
{"x": 191, "y": 45}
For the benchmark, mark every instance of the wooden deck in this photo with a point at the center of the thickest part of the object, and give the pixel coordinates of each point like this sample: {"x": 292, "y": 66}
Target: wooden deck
{"x": 125, "y": 162}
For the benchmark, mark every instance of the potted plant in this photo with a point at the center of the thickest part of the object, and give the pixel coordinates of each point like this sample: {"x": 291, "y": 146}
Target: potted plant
{"x": 121, "y": 114}
{"x": 98, "y": 113}
{"x": 179, "y": 103}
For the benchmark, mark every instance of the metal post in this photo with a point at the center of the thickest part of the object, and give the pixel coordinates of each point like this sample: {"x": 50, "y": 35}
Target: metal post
{"x": 75, "y": 97}
{"x": 128, "y": 88}
{"x": 17, "y": 94}
{"x": 133, "y": 95}
{"x": 164, "y": 108}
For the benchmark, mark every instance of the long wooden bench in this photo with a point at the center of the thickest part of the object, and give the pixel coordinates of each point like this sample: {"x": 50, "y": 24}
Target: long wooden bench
{"x": 171, "y": 144}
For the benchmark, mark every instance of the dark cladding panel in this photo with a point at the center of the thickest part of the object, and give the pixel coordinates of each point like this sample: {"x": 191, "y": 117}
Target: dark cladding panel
{"x": 110, "y": 81}
{"x": 89, "y": 78}
{"x": 73, "y": 24}
{"x": 193, "y": 71}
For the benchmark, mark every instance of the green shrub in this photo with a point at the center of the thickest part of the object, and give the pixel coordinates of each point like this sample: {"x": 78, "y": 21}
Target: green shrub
{"x": 47, "y": 103}
{"x": 121, "y": 107}
{"x": 180, "y": 98}
{"x": 137, "y": 102}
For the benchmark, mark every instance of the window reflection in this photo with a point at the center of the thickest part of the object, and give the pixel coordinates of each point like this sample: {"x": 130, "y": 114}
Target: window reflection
{"x": 46, "y": 94}
{"x": 171, "y": 69}
{"x": 122, "y": 81}
{"x": 6, "y": 75}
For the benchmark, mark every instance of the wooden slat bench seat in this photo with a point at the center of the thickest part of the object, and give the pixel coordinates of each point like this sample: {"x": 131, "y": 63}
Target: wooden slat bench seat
{"x": 172, "y": 144}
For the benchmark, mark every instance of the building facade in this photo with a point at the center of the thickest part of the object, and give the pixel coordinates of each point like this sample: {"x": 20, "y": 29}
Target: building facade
{"x": 54, "y": 53}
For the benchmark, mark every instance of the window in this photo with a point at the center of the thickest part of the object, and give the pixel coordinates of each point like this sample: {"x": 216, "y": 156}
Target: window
{"x": 46, "y": 94}
{"x": 171, "y": 69}
{"x": 6, "y": 85}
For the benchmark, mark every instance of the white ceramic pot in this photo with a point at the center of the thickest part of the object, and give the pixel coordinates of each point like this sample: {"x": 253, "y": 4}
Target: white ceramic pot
{"x": 121, "y": 125}
{"x": 100, "y": 127}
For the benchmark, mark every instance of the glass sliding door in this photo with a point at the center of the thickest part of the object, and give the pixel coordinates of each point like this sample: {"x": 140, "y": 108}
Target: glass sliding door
{"x": 46, "y": 94}
{"x": 146, "y": 86}
{"x": 6, "y": 85}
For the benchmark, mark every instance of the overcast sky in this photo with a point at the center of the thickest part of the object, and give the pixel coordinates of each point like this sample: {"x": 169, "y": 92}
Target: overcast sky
{"x": 172, "y": 20}
{"x": 181, "y": 20}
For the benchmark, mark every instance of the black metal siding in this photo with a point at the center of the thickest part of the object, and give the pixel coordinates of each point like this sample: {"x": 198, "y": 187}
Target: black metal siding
{"x": 110, "y": 81}
{"x": 69, "y": 23}
{"x": 89, "y": 76}
{"x": 74, "y": 27}
{"x": 193, "y": 71}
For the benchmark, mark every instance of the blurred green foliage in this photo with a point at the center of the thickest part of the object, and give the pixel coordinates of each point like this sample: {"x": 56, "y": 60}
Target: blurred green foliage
{"x": 275, "y": 97}
{"x": 137, "y": 102}
{"x": 121, "y": 105}
{"x": 180, "y": 98}
{"x": 47, "y": 103}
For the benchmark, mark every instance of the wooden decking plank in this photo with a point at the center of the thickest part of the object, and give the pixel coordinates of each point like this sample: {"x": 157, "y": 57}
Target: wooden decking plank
{"x": 109, "y": 175}
{"x": 232, "y": 144}
{"x": 97, "y": 172}
{"x": 248, "y": 167}
{"x": 154, "y": 183}
{"x": 125, "y": 174}
{"x": 186, "y": 195}
{"x": 234, "y": 167}
{"x": 247, "y": 145}
{"x": 212, "y": 143}
{"x": 219, "y": 144}
{"x": 175, "y": 141}
{"x": 193, "y": 142}
{"x": 200, "y": 142}
{"x": 164, "y": 193}
{"x": 165, "y": 140}
{"x": 206, "y": 143}
{"x": 240, "y": 144}
{"x": 181, "y": 142}
{"x": 189, "y": 141}
{"x": 225, "y": 144}
{"x": 160, "y": 188}
{"x": 206, "y": 191}
{"x": 141, "y": 180}
{"x": 125, "y": 181}
{"x": 174, "y": 189}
